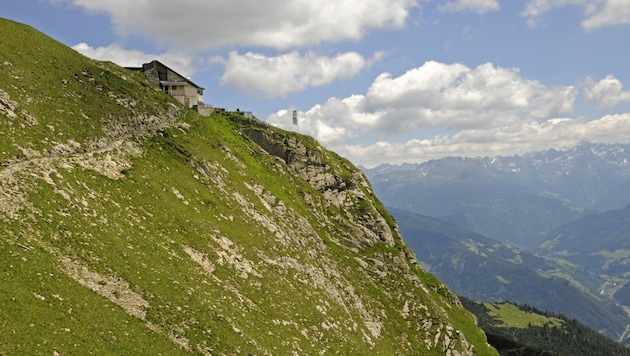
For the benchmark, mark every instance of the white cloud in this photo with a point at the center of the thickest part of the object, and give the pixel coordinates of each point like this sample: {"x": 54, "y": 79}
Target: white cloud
{"x": 536, "y": 8}
{"x": 486, "y": 110}
{"x": 184, "y": 64}
{"x": 478, "y": 6}
{"x": 598, "y": 13}
{"x": 611, "y": 12}
{"x": 607, "y": 92}
{"x": 281, "y": 24}
{"x": 530, "y": 136}
{"x": 291, "y": 72}
{"x": 324, "y": 121}
{"x": 456, "y": 97}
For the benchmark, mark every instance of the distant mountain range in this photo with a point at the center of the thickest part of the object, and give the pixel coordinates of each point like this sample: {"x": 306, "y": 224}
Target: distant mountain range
{"x": 598, "y": 243}
{"x": 483, "y": 269}
{"x": 549, "y": 229}
{"x": 516, "y": 199}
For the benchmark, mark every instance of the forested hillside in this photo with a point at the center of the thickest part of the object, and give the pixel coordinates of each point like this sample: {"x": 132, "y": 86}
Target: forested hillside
{"x": 524, "y": 330}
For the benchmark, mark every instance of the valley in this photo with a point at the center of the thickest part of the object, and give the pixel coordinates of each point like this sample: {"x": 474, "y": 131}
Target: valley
{"x": 541, "y": 229}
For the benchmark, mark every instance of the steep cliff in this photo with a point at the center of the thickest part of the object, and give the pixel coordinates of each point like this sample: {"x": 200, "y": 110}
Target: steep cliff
{"x": 130, "y": 225}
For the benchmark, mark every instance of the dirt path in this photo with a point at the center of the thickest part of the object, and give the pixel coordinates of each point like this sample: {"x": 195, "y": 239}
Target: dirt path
{"x": 108, "y": 156}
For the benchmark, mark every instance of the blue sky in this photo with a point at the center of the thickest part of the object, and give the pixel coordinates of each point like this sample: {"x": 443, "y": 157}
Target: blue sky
{"x": 380, "y": 81}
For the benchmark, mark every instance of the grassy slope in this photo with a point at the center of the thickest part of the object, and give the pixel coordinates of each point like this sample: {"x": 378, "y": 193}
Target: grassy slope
{"x": 70, "y": 97}
{"x": 598, "y": 243}
{"x": 191, "y": 239}
{"x": 510, "y": 316}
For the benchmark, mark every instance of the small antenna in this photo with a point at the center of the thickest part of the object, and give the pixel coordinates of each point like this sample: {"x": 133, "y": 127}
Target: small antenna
{"x": 295, "y": 121}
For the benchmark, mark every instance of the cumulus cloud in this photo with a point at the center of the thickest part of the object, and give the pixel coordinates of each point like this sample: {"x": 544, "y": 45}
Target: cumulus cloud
{"x": 478, "y": 6}
{"x": 530, "y": 136}
{"x": 181, "y": 62}
{"x": 536, "y": 8}
{"x": 611, "y": 12}
{"x": 455, "y": 97}
{"x": 598, "y": 13}
{"x": 607, "y": 92}
{"x": 291, "y": 72}
{"x": 272, "y": 23}
{"x": 487, "y": 110}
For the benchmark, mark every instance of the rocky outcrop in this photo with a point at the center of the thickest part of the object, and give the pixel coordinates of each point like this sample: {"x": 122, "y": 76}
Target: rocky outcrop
{"x": 345, "y": 187}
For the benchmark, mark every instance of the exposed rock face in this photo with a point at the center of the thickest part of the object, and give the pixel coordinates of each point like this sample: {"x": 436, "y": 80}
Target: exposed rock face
{"x": 350, "y": 192}
{"x": 7, "y": 106}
